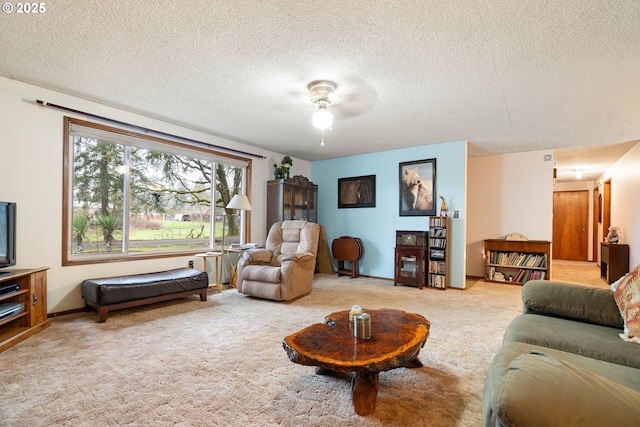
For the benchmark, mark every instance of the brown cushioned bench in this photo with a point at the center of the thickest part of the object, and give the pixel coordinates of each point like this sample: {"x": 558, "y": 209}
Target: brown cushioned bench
{"x": 115, "y": 293}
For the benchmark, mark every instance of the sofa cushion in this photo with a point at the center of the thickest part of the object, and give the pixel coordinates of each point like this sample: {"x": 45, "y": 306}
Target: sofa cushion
{"x": 263, "y": 290}
{"x": 571, "y": 301}
{"x": 541, "y": 390}
{"x": 289, "y": 237}
{"x": 261, "y": 273}
{"x": 627, "y": 295}
{"x": 596, "y": 341}
{"x": 258, "y": 255}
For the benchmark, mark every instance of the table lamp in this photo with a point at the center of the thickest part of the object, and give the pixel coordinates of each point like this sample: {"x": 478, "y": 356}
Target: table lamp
{"x": 239, "y": 202}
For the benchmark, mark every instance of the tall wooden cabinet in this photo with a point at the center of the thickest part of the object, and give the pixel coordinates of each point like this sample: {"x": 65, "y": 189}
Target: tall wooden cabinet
{"x": 32, "y": 294}
{"x": 516, "y": 261}
{"x": 293, "y": 198}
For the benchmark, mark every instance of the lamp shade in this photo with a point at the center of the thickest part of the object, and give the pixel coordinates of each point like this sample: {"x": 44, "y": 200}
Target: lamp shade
{"x": 239, "y": 201}
{"x": 322, "y": 119}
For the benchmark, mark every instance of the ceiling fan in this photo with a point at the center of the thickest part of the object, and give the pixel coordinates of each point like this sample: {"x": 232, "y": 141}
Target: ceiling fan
{"x": 342, "y": 97}
{"x": 321, "y": 93}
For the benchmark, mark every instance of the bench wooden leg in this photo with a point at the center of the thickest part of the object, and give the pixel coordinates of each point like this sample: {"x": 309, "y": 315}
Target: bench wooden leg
{"x": 102, "y": 314}
{"x": 203, "y": 294}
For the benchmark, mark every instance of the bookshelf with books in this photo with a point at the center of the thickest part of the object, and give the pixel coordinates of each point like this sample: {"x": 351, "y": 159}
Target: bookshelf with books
{"x": 438, "y": 255}
{"x": 516, "y": 261}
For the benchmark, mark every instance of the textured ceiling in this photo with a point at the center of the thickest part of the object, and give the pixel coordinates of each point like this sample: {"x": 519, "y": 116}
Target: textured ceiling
{"x": 507, "y": 76}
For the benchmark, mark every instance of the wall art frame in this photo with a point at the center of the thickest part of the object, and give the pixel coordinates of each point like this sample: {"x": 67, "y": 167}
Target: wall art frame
{"x": 417, "y": 183}
{"x": 357, "y": 192}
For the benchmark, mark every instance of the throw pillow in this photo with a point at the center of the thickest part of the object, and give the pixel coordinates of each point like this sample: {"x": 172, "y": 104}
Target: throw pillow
{"x": 626, "y": 292}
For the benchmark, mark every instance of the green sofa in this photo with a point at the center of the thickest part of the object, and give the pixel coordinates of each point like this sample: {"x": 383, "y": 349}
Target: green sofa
{"x": 563, "y": 362}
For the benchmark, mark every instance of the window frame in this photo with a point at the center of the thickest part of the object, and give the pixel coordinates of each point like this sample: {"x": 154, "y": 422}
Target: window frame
{"x": 177, "y": 147}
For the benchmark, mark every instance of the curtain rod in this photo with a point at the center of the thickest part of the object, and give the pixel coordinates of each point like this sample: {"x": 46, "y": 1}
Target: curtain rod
{"x": 141, "y": 128}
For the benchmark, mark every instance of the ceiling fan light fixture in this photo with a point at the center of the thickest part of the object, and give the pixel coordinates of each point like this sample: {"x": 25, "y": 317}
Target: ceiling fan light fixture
{"x": 320, "y": 92}
{"x": 322, "y": 119}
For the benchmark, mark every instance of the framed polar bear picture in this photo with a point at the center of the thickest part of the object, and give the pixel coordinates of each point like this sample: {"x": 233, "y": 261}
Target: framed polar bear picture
{"x": 418, "y": 188}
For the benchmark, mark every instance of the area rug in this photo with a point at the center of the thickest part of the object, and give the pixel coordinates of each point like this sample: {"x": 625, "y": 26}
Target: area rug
{"x": 221, "y": 362}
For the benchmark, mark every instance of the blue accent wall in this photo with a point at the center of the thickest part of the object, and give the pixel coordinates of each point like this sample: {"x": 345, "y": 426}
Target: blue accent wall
{"x": 376, "y": 227}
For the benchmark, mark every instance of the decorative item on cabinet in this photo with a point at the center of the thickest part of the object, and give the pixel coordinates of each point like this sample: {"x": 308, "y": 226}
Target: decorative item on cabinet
{"x": 283, "y": 170}
{"x": 614, "y": 235}
{"x": 443, "y": 207}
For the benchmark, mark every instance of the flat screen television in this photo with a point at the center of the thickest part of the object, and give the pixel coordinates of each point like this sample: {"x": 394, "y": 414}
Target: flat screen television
{"x": 7, "y": 234}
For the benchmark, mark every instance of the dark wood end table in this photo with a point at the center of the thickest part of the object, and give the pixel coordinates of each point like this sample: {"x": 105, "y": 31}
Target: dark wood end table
{"x": 396, "y": 340}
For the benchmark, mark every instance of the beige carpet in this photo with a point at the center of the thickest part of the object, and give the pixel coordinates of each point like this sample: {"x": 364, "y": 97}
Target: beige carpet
{"x": 221, "y": 362}
{"x": 586, "y": 273}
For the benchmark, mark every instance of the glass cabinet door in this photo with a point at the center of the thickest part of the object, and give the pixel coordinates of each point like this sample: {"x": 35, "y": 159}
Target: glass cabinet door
{"x": 287, "y": 206}
{"x": 299, "y": 203}
{"x": 312, "y": 206}
{"x": 408, "y": 266}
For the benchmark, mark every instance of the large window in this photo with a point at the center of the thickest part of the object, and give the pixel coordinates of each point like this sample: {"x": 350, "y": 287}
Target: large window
{"x": 129, "y": 195}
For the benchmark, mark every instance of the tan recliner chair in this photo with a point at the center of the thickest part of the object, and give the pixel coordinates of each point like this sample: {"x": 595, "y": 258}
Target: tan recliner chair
{"x": 284, "y": 269}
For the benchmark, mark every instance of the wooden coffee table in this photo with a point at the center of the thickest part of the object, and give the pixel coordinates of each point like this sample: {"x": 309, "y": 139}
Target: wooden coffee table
{"x": 396, "y": 340}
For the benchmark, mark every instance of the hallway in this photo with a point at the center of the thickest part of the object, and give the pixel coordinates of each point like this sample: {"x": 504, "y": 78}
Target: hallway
{"x": 586, "y": 273}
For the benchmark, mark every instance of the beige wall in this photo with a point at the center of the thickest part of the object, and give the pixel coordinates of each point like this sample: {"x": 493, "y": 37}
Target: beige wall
{"x": 31, "y": 176}
{"x": 625, "y": 200}
{"x": 510, "y": 193}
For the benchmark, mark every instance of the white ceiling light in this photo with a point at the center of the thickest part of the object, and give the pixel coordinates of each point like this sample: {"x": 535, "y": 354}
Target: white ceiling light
{"x": 322, "y": 119}
{"x": 321, "y": 92}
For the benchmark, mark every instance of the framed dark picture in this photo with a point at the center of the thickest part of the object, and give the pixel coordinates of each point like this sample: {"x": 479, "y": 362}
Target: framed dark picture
{"x": 418, "y": 188}
{"x": 357, "y": 192}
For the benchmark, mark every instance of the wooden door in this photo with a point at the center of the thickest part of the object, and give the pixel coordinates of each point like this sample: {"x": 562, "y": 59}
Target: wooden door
{"x": 595, "y": 219}
{"x": 606, "y": 208}
{"x": 570, "y": 225}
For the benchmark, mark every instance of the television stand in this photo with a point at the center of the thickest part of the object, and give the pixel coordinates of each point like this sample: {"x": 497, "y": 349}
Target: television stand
{"x": 33, "y": 295}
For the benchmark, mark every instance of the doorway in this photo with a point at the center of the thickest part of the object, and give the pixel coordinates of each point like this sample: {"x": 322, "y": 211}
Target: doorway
{"x": 606, "y": 208}
{"x": 596, "y": 219}
{"x": 570, "y": 225}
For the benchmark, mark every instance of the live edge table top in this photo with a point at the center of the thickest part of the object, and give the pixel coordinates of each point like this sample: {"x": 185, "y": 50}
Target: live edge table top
{"x": 396, "y": 340}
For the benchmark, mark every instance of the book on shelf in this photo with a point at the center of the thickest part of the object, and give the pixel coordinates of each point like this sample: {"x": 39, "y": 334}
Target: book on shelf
{"x": 437, "y": 281}
{"x": 437, "y": 254}
{"x": 519, "y": 275}
{"x": 437, "y": 267}
{"x": 518, "y": 259}
{"x": 438, "y": 232}
{"x": 438, "y": 243}
{"x": 499, "y": 276}
{"x": 438, "y": 221}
